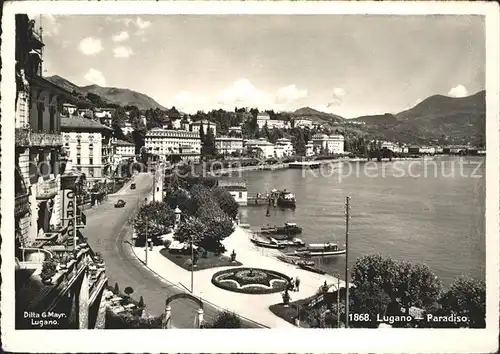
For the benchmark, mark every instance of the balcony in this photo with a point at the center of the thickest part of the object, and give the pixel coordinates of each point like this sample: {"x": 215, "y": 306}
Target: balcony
{"x": 46, "y": 189}
{"x": 26, "y": 137}
{"x": 22, "y": 205}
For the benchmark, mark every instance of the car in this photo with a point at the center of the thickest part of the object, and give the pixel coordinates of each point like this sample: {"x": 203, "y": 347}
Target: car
{"x": 120, "y": 203}
{"x": 132, "y": 186}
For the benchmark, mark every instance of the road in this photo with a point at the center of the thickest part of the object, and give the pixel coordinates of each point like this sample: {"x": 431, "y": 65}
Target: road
{"x": 109, "y": 232}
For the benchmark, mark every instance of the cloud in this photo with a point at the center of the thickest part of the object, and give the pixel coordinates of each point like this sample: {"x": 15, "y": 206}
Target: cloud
{"x": 120, "y": 37}
{"x": 90, "y": 46}
{"x": 242, "y": 93}
{"x": 141, "y": 24}
{"x": 122, "y": 52}
{"x": 96, "y": 77}
{"x": 337, "y": 96}
{"x": 289, "y": 94}
{"x": 458, "y": 91}
{"x": 186, "y": 101}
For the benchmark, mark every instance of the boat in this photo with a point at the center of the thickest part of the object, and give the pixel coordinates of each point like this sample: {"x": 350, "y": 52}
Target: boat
{"x": 286, "y": 199}
{"x": 320, "y": 249}
{"x": 311, "y": 268}
{"x": 293, "y": 260}
{"x": 295, "y": 242}
{"x": 267, "y": 244}
{"x": 290, "y": 228}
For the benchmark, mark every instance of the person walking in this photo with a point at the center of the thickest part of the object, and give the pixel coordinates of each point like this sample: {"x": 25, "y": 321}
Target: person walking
{"x": 297, "y": 284}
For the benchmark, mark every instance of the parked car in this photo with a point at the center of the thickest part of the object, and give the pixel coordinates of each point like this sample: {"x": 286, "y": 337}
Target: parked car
{"x": 120, "y": 203}
{"x": 132, "y": 186}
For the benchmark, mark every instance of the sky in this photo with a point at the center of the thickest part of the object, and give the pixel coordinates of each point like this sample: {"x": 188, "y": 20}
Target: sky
{"x": 350, "y": 65}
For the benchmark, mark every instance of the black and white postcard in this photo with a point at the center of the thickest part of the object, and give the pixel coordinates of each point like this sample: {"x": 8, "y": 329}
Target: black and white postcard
{"x": 320, "y": 176}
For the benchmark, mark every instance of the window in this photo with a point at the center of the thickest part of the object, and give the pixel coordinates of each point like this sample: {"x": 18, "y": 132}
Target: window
{"x": 240, "y": 195}
{"x": 40, "y": 109}
{"x": 78, "y": 161}
{"x": 91, "y": 171}
{"x": 52, "y": 123}
{"x": 91, "y": 161}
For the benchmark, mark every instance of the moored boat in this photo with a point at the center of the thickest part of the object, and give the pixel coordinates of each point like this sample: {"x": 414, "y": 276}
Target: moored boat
{"x": 286, "y": 199}
{"x": 295, "y": 242}
{"x": 290, "y": 228}
{"x": 295, "y": 260}
{"x": 320, "y": 249}
{"x": 311, "y": 268}
{"x": 267, "y": 244}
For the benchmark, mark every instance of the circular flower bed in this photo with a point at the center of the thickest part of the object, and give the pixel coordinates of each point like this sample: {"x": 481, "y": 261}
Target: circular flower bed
{"x": 251, "y": 280}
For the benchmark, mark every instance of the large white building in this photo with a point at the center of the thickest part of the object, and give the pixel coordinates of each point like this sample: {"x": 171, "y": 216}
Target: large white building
{"x": 309, "y": 149}
{"x": 332, "y": 144}
{"x": 127, "y": 128}
{"x": 89, "y": 146}
{"x": 263, "y": 119}
{"x": 262, "y": 147}
{"x": 165, "y": 142}
{"x": 287, "y": 146}
{"x": 227, "y": 145}
{"x": 302, "y": 123}
{"x": 195, "y": 126}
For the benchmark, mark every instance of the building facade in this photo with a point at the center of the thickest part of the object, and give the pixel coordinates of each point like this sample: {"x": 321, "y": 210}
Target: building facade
{"x": 163, "y": 142}
{"x": 89, "y": 145}
{"x": 302, "y": 123}
{"x": 286, "y": 143}
{"x": 69, "y": 108}
{"x": 260, "y": 147}
{"x": 227, "y": 145}
{"x": 330, "y": 144}
{"x": 45, "y": 230}
{"x": 195, "y": 126}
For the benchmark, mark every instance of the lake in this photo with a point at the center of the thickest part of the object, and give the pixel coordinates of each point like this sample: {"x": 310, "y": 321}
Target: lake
{"x": 430, "y": 211}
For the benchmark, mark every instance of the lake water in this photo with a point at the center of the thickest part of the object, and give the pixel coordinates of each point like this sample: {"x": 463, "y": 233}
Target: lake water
{"x": 421, "y": 211}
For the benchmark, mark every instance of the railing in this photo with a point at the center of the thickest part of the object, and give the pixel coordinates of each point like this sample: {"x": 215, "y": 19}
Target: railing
{"x": 22, "y": 205}
{"x": 46, "y": 189}
{"x": 26, "y": 137}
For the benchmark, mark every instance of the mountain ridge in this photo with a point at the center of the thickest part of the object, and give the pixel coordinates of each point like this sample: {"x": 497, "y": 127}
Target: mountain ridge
{"x": 115, "y": 95}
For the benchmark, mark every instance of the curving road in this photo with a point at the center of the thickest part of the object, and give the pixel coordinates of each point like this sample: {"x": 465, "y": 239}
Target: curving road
{"x": 109, "y": 232}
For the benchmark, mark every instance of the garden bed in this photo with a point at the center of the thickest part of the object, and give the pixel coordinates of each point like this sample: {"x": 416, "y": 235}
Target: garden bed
{"x": 251, "y": 280}
{"x": 210, "y": 261}
{"x": 289, "y": 313}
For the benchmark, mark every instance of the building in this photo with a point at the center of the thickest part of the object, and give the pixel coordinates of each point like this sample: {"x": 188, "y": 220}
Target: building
{"x": 47, "y": 204}
{"x": 104, "y": 115}
{"x": 163, "y": 142}
{"x": 260, "y": 147}
{"x": 127, "y": 128}
{"x": 427, "y": 150}
{"x": 309, "y": 149}
{"x": 69, "y": 108}
{"x": 263, "y": 119}
{"x": 185, "y": 123}
{"x": 238, "y": 189}
{"x": 89, "y": 145}
{"x": 279, "y": 151}
{"x": 226, "y": 145}
{"x": 302, "y": 123}
{"x": 330, "y": 144}
{"x": 86, "y": 113}
{"x": 235, "y": 130}
{"x": 195, "y": 126}
{"x": 286, "y": 143}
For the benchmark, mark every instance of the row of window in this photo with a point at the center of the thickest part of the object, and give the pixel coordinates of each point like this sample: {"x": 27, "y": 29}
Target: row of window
{"x": 53, "y": 126}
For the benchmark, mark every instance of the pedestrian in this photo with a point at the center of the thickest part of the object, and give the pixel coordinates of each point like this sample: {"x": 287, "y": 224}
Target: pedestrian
{"x": 297, "y": 283}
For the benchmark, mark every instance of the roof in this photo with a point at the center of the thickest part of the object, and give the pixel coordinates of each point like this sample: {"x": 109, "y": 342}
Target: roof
{"x": 123, "y": 142}
{"x": 67, "y": 123}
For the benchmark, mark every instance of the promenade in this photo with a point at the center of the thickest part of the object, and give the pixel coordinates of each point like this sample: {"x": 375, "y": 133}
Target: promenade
{"x": 254, "y": 307}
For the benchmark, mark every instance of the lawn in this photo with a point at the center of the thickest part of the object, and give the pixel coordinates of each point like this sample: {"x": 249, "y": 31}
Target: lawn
{"x": 289, "y": 313}
{"x": 210, "y": 261}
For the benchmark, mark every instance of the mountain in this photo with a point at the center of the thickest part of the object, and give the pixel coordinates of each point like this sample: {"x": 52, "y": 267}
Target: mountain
{"x": 318, "y": 116}
{"x": 380, "y": 119}
{"x": 120, "y": 96}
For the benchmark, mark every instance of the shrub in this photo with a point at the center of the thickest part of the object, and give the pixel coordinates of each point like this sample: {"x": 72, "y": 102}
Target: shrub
{"x": 48, "y": 270}
{"x": 233, "y": 256}
{"x": 286, "y": 297}
{"x": 226, "y": 320}
{"x": 116, "y": 289}
{"x": 167, "y": 243}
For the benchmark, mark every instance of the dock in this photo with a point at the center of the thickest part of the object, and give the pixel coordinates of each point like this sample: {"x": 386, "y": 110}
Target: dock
{"x": 304, "y": 164}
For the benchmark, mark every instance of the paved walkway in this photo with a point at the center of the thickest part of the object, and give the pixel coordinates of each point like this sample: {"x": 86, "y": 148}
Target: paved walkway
{"x": 254, "y": 307}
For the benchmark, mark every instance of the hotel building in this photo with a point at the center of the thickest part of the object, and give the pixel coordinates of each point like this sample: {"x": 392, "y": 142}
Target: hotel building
{"x": 163, "y": 142}
{"x": 302, "y": 123}
{"x": 261, "y": 147}
{"x": 287, "y": 146}
{"x": 331, "y": 144}
{"x": 227, "y": 145}
{"x": 195, "y": 126}
{"x": 89, "y": 145}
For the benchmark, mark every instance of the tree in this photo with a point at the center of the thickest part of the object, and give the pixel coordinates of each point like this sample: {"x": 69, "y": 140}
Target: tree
{"x": 299, "y": 143}
{"x": 116, "y": 289}
{"x": 141, "y": 302}
{"x": 226, "y": 202}
{"x": 226, "y": 320}
{"x": 128, "y": 290}
{"x": 370, "y": 299}
{"x": 154, "y": 218}
{"x": 208, "y": 147}
{"x": 466, "y": 297}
